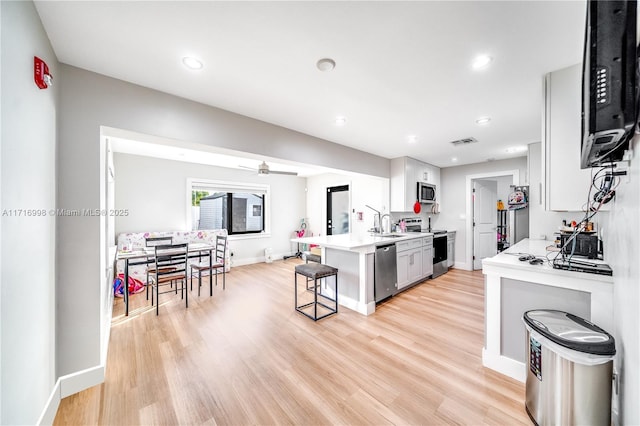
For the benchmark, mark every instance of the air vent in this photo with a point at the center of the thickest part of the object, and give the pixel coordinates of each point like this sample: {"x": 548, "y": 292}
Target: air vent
{"x": 465, "y": 141}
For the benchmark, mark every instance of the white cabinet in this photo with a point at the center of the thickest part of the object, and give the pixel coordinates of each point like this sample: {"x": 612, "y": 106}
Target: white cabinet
{"x": 427, "y": 256}
{"x": 566, "y": 186}
{"x": 406, "y": 172}
{"x": 409, "y": 262}
{"x": 415, "y": 265}
{"x": 451, "y": 248}
{"x": 402, "y": 264}
{"x": 414, "y": 260}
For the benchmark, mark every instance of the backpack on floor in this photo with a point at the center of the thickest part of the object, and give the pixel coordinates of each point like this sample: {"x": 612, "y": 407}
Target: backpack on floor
{"x": 135, "y": 285}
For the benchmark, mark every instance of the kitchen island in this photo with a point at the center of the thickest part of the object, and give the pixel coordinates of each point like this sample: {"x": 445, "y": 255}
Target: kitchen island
{"x": 353, "y": 255}
{"x": 513, "y": 287}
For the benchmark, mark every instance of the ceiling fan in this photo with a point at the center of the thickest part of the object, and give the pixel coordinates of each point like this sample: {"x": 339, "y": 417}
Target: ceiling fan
{"x": 263, "y": 170}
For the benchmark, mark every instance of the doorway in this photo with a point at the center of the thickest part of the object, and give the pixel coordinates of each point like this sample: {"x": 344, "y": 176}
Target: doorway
{"x": 485, "y": 197}
{"x": 338, "y": 210}
{"x": 470, "y": 248}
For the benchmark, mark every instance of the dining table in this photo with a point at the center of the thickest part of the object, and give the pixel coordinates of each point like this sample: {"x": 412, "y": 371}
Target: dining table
{"x": 146, "y": 256}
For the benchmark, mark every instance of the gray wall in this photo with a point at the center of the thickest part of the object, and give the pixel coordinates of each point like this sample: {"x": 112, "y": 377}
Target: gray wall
{"x": 518, "y": 297}
{"x": 453, "y": 182}
{"x": 28, "y": 168}
{"x": 155, "y": 192}
{"x": 88, "y": 101}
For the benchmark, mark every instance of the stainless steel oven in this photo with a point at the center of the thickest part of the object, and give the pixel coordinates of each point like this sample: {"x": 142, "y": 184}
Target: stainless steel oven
{"x": 439, "y": 253}
{"x": 414, "y": 224}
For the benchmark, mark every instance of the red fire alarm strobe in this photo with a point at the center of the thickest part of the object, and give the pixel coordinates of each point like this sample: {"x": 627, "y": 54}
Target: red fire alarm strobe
{"x": 41, "y": 73}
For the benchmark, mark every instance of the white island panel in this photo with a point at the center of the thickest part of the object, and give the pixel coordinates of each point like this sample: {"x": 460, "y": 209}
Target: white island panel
{"x": 355, "y": 278}
{"x": 524, "y": 286}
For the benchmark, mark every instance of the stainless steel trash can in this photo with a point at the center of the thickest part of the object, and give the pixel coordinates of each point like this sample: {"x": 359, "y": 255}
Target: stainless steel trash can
{"x": 569, "y": 369}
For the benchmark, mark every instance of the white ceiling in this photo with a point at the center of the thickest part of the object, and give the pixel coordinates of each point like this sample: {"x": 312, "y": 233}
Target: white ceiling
{"x": 403, "y": 68}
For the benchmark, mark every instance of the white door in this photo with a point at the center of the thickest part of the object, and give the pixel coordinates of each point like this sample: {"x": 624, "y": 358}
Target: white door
{"x": 485, "y": 197}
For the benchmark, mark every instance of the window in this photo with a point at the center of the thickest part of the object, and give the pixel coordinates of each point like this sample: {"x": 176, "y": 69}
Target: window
{"x": 237, "y": 207}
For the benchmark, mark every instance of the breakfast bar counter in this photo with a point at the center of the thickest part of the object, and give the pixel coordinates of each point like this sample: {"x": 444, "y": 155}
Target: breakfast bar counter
{"x": 359, "y": 243}
{"x": 353, "y": 256}
{"x": 514, "y": 286}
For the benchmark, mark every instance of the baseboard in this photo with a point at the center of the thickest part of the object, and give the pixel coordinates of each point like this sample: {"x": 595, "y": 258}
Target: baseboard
{"x": 81, "y": 380}
{"x": 247, "y": 261}
{"x": 354, "y": 305}
{"x": 261, "y": 259}
{"x": 68, "y": 385}
{"x": 50, "y": 410}
{"x": 503, "y": 365}
{"x": 461, "y": 265}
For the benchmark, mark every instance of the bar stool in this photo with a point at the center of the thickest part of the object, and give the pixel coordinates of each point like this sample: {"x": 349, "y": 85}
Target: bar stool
{"x": 307, "y": 256}
{"x": 316, "y": 271}
{"x": 311, "y": 257}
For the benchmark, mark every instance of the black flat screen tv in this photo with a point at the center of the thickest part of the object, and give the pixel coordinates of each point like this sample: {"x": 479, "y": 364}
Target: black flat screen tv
{"x": 609, "y": 82}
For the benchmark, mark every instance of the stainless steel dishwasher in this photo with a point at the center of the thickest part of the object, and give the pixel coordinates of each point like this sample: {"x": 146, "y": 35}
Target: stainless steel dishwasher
{"x": 385, "y": 272}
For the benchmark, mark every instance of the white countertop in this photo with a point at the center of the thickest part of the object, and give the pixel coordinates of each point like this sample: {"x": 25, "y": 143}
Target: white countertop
{"x": 352, "y": 241}
{"x": 538, "y": 248}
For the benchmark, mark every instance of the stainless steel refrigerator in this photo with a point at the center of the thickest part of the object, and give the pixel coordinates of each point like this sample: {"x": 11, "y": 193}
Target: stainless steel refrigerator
{"x": 518, "y": 205}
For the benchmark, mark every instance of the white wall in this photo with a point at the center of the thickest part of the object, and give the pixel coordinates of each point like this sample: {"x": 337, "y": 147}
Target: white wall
{"x": 623, "y": 239}
{"x": 363, "y": 190}
{"x": 28, "y": 175}
{"x": 504, "y": 188}
{"x": 453, "y": 182}
{"x": 155, "y": 193}
{"x": 542, "y": 223}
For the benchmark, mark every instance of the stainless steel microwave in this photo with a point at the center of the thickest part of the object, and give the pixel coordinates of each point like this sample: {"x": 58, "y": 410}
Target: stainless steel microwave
{"x": 426, "y": 193}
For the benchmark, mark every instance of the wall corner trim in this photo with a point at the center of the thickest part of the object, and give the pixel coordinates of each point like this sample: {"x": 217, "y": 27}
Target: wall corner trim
{"x": 68, "y": 385}
{"x": 50, "y": 410}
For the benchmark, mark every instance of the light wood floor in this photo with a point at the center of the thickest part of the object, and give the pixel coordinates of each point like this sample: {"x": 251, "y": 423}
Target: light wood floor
{"x": 244, "y": 356}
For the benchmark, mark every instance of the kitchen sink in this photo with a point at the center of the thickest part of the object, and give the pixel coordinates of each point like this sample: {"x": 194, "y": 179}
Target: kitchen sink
{"x": 392, "y": 236}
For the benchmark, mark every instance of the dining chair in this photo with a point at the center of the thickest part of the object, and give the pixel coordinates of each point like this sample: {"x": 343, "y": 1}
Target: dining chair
{"x": 152, "y": 242}
{"x": 170, "y": 266}
{"x": 217, "y": 262}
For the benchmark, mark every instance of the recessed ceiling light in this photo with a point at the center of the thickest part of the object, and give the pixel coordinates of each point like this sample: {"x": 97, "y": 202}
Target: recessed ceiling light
{"x": 481, "y": 61}
{"x": 412, "y": 139}
{"x": 340, "y": 120}
{"x": 326, "y": 64}
{"x": 454, "y": 159}
{"x": 192, "y": 63}
{"x": 483, "y": 121}
{"x": 514, "y": 149}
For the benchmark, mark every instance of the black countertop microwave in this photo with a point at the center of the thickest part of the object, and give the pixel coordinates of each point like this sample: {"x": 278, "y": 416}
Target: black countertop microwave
{"x": 426, "y": 193}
